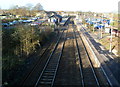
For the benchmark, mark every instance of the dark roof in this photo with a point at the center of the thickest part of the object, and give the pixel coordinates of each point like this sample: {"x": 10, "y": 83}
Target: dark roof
{"x": 59, "y": 16}
{"x": 56, "y": 16}
{"x": 50, "y": 12}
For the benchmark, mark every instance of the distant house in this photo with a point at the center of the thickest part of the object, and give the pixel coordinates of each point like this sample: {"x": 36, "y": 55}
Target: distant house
{"x": 107, "y": 29}
{"x": 51, "y": 13}
{"x": 56, "y": 19}
{"x": 52, "y": 19}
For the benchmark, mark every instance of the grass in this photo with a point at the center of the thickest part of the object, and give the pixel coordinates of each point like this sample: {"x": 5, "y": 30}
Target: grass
{"x": 106, "y": 42}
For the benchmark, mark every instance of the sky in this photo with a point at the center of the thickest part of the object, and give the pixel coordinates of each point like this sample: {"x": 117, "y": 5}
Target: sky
{"x": 67, "y": 5}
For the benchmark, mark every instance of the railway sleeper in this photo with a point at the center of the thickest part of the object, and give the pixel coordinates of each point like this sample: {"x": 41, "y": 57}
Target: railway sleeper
{"x": 42, "y": 82}
{"x": 46, "y": 79}
{"x": 49, "y": 76}
{"x": 50, "y": 71}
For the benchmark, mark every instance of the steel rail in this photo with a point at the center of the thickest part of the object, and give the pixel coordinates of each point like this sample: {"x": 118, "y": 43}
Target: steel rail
{"x": 80, "y": 65}
{"x": 90, "y": 62}
{"x": 48, "y": 61}
{"x": 36, "y": 64}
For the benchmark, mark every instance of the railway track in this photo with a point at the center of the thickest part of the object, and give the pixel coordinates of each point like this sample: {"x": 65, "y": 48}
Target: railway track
{"x": 108, "y": 80}
{"x": 88, "y": 74}
{"x": 45, "y": 56}
{"x": 78, "y": 64}
{"x": 76, "y": 69}
{"x": 68, "y": 72}
{"x": 47, "y": 76}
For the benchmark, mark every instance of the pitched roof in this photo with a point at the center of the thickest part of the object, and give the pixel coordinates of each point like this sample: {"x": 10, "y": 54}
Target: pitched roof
{"x": 56, "y": 16}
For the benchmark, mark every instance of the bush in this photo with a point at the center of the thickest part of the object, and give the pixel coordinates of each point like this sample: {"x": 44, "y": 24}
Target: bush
{"x": 24, "y": 18}
{"x": 20, "y": 42}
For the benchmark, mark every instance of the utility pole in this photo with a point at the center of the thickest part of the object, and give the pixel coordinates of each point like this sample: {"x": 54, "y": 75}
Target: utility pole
{"x": 93, "y": 23}
{"x": 101, "y": 26}
{"x": 110, "y": 50}
{"x": 101, "y": 31}
{"x": 112, "y": 24}
{"x": 93, "y": 28}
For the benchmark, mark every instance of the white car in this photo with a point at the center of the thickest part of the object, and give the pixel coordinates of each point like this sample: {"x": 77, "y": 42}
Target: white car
{"x": 33, "y": 24}
{"x": 11, "y": 23}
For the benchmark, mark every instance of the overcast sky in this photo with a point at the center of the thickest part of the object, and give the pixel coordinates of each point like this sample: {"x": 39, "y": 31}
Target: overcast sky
{"x": 67, "y": 5}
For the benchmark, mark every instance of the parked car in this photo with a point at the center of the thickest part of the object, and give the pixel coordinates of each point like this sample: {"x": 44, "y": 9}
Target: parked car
{"x": 34, "y": 19}
{"x": 10, "y": 23}
{"x": 20, "y": 21}
{"x": 114, "y": 32}
{"x": 33, "y": 24}
{"x": 15, "y": 22}
{"x": 29, "y": 21}
{"x": 118, "y": 34}
{"x": 24, "y": 21}
{"x": 5, "y": 24}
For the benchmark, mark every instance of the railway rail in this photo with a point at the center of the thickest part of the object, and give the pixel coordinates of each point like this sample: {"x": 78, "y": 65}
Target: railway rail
{"x": 110, "y": 80}
{"x": 47, "y": 76}
{"x": 85, "y": 75}
{"x": 89, "y": 77}
{"x": 68, "y": 71}
{"x": 45, "y": 55}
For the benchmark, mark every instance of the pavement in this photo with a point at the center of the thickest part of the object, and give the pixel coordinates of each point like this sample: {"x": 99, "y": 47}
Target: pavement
{"x": 110, "y": 60}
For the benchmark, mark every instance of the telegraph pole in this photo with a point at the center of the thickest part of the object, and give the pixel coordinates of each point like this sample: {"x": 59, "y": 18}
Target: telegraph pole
{"x": 112, "y": 24}
{"x": 110, "y": 50}
{"x": 101, "y": 26}
{"x": 93, "y": 23}
{"x": 101, "y": 31}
